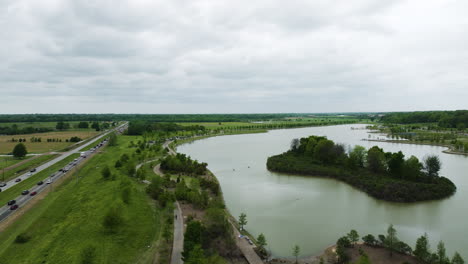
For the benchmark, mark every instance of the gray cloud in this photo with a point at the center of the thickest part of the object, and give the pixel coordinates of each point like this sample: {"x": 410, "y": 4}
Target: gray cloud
{"x": 232, "y": 56}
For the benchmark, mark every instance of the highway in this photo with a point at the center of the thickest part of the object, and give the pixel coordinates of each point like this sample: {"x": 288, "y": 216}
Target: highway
{"x": 5, "y": 211}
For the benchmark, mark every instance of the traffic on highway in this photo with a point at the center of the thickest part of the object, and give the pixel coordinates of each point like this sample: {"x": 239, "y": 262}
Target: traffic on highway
{"x": 27, "y": 195}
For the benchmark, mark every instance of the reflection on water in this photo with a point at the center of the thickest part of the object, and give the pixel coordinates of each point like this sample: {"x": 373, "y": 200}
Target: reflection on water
{"x": 314, "y": 212}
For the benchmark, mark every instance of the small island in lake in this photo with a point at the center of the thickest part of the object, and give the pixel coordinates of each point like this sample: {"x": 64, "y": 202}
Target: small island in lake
{"x": 384, "y": 175}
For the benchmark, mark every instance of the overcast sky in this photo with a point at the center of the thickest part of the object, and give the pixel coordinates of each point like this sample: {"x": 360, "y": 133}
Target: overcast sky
{"x": 216, "y": 56}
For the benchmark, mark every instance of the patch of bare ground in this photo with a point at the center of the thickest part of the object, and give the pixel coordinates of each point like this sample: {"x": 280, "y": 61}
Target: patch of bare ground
{"x": 380, "y": 255}
{"x": 188, "y": 210}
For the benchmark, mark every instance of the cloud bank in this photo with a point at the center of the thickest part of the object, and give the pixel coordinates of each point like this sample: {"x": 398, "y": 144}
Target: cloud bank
{"x": 205, "y": 56}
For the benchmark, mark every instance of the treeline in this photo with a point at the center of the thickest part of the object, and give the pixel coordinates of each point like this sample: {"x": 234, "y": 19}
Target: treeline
{"x": 392, "y": 243}
{"x": 14, "y": 130}
{"x": 383, "y": 175}
{"x": 181, "y": 163}
{"x": 141, "y": 127}
{"x": 154, "y": 117}
{"x": 448, "y": 119}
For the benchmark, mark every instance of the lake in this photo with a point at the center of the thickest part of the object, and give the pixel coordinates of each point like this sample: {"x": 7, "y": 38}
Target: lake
{"x": 314, "y": 212}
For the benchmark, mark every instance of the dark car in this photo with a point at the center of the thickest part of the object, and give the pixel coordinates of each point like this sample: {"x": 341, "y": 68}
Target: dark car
{"x": 33, "y": 170}
{"x": 12, "y": 202}
{"x": 25, "y": 192}
{"x": 2, "y": 184}
{"x": 40, "y": 183}
{"x": 14, "y": 207}
{"x": 33, "y": 193}
{"x": 18, "y": 180}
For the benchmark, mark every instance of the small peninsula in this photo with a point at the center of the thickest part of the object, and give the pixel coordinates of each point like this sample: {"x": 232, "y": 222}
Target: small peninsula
{"x": 383, "y": 175}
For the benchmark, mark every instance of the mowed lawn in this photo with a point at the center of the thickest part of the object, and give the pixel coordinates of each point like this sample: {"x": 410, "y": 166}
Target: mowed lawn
{"x": 70, "y": 219}
{"x": 6, "y": 144}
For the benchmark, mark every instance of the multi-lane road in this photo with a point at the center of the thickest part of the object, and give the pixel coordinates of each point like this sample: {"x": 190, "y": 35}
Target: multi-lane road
{"x": 6, "y": 210}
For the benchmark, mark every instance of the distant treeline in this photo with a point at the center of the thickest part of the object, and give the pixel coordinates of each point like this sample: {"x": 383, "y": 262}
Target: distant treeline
{"x": 14, "y": 130}
{"x": 154, "y": 117}
{"x": 447, "y": 119}
{"x": 383, "y": 175}
{"x": 141, "y": 127}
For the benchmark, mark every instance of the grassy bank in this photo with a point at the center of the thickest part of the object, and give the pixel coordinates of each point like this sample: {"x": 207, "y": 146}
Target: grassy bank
{"x": 69, "y": 221}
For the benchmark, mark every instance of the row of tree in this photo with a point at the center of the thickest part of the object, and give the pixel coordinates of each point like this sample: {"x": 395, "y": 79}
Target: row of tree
{"x": 391, "y": 242}
{"x": 448, "y": 119}
{"x": 181, "y": 163}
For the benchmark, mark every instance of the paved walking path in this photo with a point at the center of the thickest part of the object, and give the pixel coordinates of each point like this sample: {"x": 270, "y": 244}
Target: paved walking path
{"x": 246, "y": 248}
{"x": 178, "y": 245}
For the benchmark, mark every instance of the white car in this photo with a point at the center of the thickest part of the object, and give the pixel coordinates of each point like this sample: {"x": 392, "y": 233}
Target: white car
{"x": 48, "y": 181}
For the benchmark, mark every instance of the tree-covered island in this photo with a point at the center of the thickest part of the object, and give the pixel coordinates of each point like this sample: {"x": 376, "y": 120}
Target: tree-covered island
{"x": 384, "y": 175}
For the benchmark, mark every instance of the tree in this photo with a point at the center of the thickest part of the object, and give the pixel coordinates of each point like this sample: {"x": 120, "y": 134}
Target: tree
{"x": 357, "y": 157}
{"x": 422, "y": 248}
{"x": 261, "y": 240}
{"x": 296, "y": 252}
{"x": 412, "y": 168}
{"x": 369, "y": 240}
{"x": 441, "y": 254}
{"x": 196, "y": 256}
{"x": 83, "y": 124}
{"x": 95, "y": 125}
{"x": 432, "y": 165}
{"x": 20, "y": 151}
{"x": 341, "y": 253}
{"x": 112, "y": 139}
{"x": 376, "y": 159}
{"x": 113, "y": 219}
{"x": 457, "y": 259}
{"x": 193, "y": 236}
{"x": 242, "y": 220}
{"x": 396, "y": 163}
{"x": 353, "y": 236}
{"x": 391, "y": 239}
{"x": 62, "y": 125}
{"x": 106, "y": 173}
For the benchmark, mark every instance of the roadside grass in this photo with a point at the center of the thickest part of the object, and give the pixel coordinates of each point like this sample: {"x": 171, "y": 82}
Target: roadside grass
{"x": 6, "y": 162}
{"x": 70, "y": 219}
{"x": 23, "y": 168}
{"x": 6, "y": 146}
{"x": 30, "y": 182}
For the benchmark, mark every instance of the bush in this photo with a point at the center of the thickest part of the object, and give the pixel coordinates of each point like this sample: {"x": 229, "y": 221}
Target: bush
{"x": 88, "y": 255}
{"x": 106, "y": 173}
{"x": 22, "y": 238}
{"x": 113, "y": 219}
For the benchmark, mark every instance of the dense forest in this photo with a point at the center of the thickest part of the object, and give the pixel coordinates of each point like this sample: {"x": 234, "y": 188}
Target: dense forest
{"x": 447, "y": 119}
{"x": 154, "y": 117}
{"x": 383, "y": 175}
{"x": 141, "y": 127}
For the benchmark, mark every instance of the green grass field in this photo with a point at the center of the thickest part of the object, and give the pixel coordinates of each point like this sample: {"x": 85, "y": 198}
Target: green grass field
{"x": 6, "y": 162}
{"x": 25, "y": 167}
{"x": 70, "y": 219}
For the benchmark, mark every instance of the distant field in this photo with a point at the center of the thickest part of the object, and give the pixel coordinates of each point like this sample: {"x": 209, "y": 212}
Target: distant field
{"x": 6, "y": 146}
{"x": 70, "y": 219}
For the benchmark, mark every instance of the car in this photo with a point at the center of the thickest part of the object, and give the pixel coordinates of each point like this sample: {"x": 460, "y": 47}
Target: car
{"x": 75, "y": 160}
{"x": 33, "y": 170}
{"x": 48, "y": 181}
{"x": 2, "y": 184}
{"x": 11, "y": 202}
{"x": 18, "y": 180}
{"x": 14, "y": 207}
{"x": 0, "y": 190}
{"x": 25, "y": 192}
{"x": 40, "y": 183}
{"x": 33, "y": 193}
{"x": 29, "y": 174}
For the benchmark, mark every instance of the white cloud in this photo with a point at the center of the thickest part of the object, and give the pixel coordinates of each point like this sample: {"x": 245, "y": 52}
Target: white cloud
{"x": 232, "y": 56}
